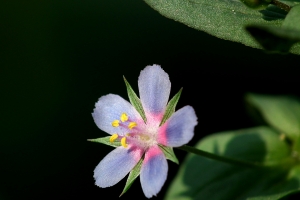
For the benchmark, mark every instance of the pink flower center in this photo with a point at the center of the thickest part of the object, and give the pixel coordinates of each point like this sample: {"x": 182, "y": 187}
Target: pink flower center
{"x": 138, "y": 133}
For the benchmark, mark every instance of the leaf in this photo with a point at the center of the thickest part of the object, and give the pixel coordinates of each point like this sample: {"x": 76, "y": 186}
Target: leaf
{"x": 134, "y": 173}
{"x": 105, "y": 140}
{"x": 169, "y": 153}
{"x": 281, "y": 112}
{"x": 201, "y": 178}
{"x": 171, "y": 107}
{"x": 224, "y": 19}
{"x": 256, "y": 3}
{"x": 135, "y": 101}
{"x": 292, "y": 19}
{"x": 279, "y": 39}
{"x": 292, "y": 178}
{"x": 274, "y": 39}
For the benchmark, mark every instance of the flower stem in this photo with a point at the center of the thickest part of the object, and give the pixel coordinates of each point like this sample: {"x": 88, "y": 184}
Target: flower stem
{"x": 281, "y": 5}
{"x": 220, "y": 158}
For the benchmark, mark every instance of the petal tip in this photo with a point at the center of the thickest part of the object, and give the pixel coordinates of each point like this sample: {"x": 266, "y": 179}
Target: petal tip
{"x": 154, "y": 88}
{"x": 154, "y": 172}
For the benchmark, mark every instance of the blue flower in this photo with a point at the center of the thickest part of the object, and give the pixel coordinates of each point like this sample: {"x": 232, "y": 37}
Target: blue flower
{"x": 120, "y": 119}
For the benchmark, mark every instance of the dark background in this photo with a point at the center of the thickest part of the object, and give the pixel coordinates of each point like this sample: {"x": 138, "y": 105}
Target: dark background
{"x": 58, "y": 57}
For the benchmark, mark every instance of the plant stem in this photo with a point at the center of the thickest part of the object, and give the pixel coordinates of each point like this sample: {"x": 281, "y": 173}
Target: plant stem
{"x": 281, "y": 5}
{"x": 228, "y": 160}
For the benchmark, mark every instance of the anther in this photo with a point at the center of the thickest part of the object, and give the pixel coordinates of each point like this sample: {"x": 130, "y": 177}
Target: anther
{"x": 123, "y": 142}
{"x": 124, "y": 117}
{"x": 113, "y": 137}
{"x": 115, "y": 123}
{"x": 132, "y": 125}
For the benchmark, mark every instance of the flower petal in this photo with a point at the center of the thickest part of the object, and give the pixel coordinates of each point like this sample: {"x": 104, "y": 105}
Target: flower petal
{"x": 154, "y": 89}
{"x": 109, "y": 108}
{"x": 116, "y": 165}
{"x": 154, "y": 171}
{"x": 179, "y": 128}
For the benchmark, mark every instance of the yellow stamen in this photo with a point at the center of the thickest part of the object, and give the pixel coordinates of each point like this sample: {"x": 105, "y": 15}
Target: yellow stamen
{"x": 132, "y": 125}
{"x": 113, "y": 137}
{"x": 123, "y": 142}
{"x": 127, "y": 134}
{"x": 115, "y": 123}
{"x": 124, "y": 117}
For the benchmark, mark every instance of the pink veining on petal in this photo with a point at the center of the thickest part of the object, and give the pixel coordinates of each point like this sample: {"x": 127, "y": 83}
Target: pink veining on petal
{"x": 162, "y": 134}
{"x": 138, "y": 152}
{"x": 152, "y": 152}
{"x": 154, "y": 118}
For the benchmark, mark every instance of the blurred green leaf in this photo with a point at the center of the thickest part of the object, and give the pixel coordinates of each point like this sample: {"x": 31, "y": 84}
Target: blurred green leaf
{"x": 105, "y": 140}
{"x": 169, "y": 153}
{"x": 224, "y": 19}
{"x": 135, "y": 101}
{"x": 134, "y": 173}
{"x": 171, "y": 107}
{"x": 281, "y": 112}
{"x": 202, "y": 178}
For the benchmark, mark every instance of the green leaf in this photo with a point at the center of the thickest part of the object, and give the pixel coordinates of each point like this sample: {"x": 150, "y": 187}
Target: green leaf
{"x": 201, "y": 178}
{"x": 169, "y": 153}
{"x": 292, "y": 178}
{"x": 292, "y": 19}
{"x": 279, "y": 39}
{"x": 274, "y": 39}
{"x": 224, "y": 19}
{"x": 105, "y": 140}
{"x": 256, "y": 3}
{"x": 171, "y": 107}
{"x": 135, "y": 172}
{"x": 135, "y": 101}
{"x": 281, "y": 112}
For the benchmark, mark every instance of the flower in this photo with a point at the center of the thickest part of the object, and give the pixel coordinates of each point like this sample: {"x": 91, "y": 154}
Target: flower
{"x": 140, "y": 139}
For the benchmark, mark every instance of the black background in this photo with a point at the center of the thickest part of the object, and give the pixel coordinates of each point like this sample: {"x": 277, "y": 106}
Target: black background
{"x": 58, "y": 57}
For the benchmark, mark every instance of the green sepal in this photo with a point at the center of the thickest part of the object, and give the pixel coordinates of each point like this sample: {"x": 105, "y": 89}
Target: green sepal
{"x": 134, "y": 173}
{"x": 169, "y": 153}
{"x": 135, "y": 101}
{"x": 105, "y": 140}
{"x": 171, "y": 107}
